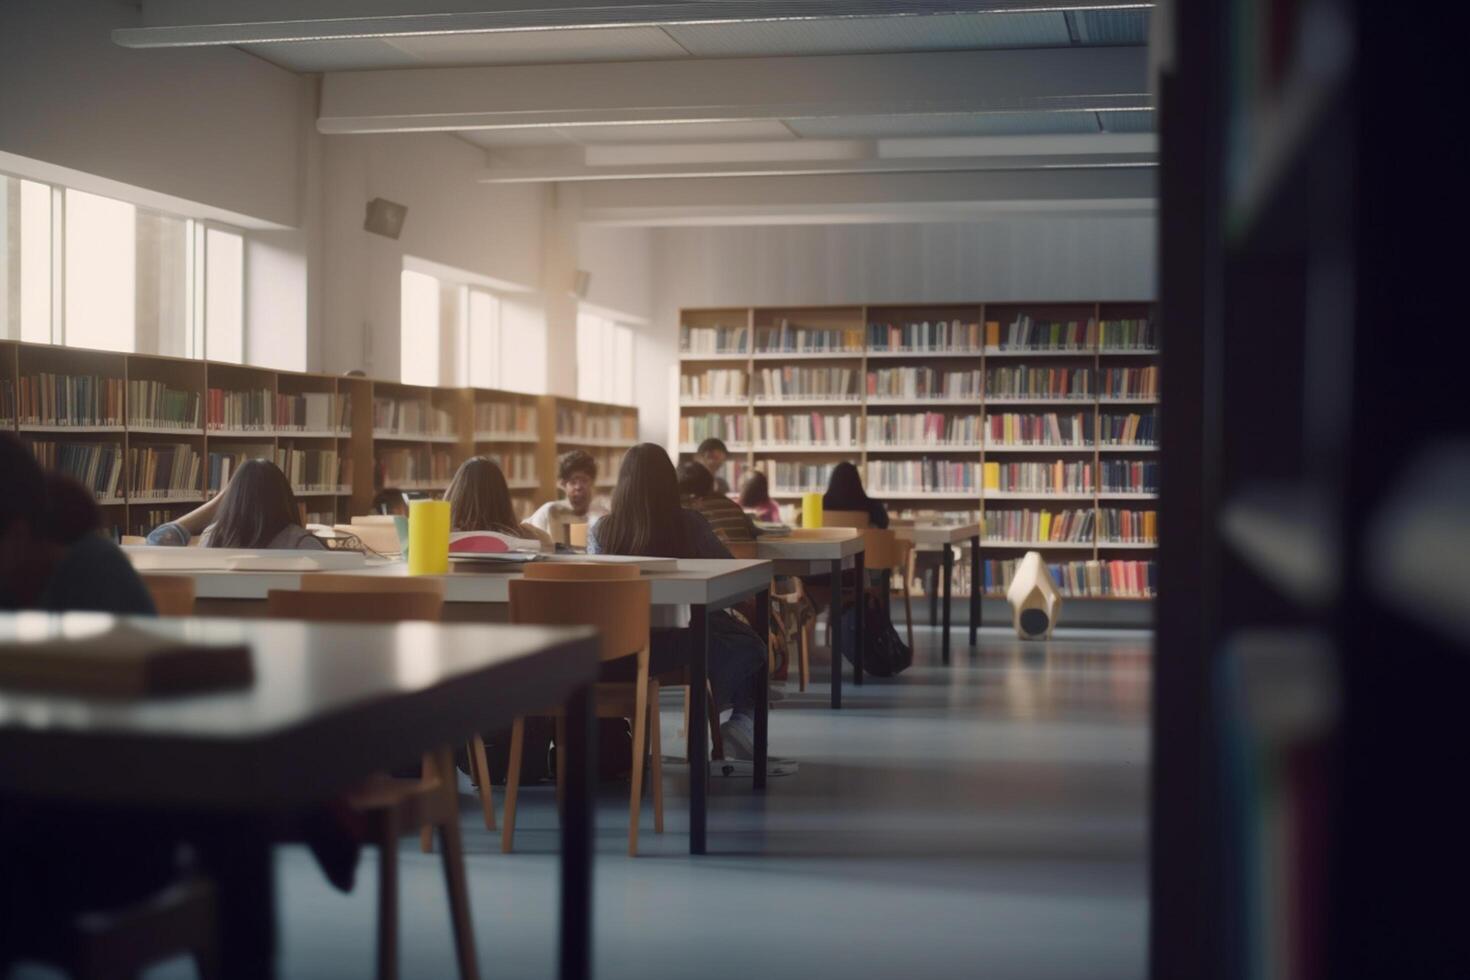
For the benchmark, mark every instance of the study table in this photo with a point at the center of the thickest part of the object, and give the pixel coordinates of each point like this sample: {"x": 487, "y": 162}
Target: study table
{"x": 480, "y": 592}
{"x": 942, "y": 538}
{"x": 799, "y": 556}
{"x": 329, "y": 705}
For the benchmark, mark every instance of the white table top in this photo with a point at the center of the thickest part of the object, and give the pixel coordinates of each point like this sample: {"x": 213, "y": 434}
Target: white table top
{"x": 329, "y": 703}
{"x": 698, "y": 581}
{"x": 798, "y": 556}
{"x": 931, "y": 536}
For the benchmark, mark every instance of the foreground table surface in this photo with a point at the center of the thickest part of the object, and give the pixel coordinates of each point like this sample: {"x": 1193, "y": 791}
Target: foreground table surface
{"x": 329, "y": 704}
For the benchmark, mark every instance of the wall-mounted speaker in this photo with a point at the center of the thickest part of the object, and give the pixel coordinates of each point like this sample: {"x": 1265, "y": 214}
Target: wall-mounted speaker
{"x": 384, "y": 217}
{"x": 581, "y": 282}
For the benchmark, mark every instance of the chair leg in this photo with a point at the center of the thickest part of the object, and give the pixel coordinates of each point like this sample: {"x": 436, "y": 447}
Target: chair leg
{"x": 806, "y": 654}
{"x": 561, "y": 761}
{"x": 454, "y": 875}
{"x": 640, "y": 746}
{"x": 426, "y": 832}
{"x": 908, "y": 612}
{"x": 684, "y": 732}
{"x": 656, "y": 756}
{"x": 513, "y": 783}
{"x": 388, "y": 899}
{"x": 481, "y": 765}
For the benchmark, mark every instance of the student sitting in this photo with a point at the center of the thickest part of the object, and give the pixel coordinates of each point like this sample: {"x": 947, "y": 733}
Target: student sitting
{"x": 712, "y": 453}
{"x": 256, "y": 509}
{"x": 647, "y": 519}
{"x": 576, "y": 476}
{"x": 845, "y": 492}
{"x": 726, "y": 519}
{"x": 755, "y": 498}
{"x": 52, "y": 554}
{"x": 479, "y": 500}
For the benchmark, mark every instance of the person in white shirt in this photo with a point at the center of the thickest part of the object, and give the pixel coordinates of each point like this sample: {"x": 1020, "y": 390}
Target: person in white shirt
{"x": 576, "y": 476}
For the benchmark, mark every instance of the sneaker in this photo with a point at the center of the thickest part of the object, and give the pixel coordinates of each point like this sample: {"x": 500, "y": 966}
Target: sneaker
{"x": 738, "y": 741}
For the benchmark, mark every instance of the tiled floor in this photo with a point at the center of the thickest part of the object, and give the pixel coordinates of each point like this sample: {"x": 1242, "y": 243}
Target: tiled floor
{"x": 987, "y": 819}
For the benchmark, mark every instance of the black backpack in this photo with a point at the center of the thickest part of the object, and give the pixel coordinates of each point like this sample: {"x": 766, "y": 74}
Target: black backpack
{"x": 884, "y": 654}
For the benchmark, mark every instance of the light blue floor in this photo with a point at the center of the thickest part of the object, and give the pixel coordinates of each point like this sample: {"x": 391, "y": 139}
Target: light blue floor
{"x": 987, "y": 819}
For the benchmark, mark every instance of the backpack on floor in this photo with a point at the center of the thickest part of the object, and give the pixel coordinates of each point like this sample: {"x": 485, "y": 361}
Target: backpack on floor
{"x": 884, "y": 654}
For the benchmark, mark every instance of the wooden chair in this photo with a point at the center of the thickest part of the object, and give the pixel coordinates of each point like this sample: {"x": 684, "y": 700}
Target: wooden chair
{"x": 618, "y": 605}
{"x": 173, "y": 595}
{"x": 885, "y": 551}
{"x": 123, "y": 942}
{"x": 846, "y": 518}
{"x": 392, "y": 806}
{"x": 380, "y": 537}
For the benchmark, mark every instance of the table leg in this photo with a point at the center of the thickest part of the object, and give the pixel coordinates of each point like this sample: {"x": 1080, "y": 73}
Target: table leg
{"x": 836, "y": 614}
{"x": 948, "y": 580}
{"x": 698, "y": 726}
{"x": 861, "y": 594}
{"x": 237, "y": 855}
{"x": 762, "y": 691}
{"x": 974, "y": 589}
{"x": 579, "y": 751}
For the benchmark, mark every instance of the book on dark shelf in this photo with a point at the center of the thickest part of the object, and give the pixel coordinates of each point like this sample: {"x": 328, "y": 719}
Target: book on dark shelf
{"x": 714, "y": 383}
{"x": 941, "y": 336}
{"x": 924, "y": 382}
{"x": 312, "y": 411}
{"x": 153, "y": 404}
{"x": 924, "y": 428}
{"x": 1057, "y": 476}
{"x": 924, "y": 475}
{"x": 98, "y": 466}
{"x": 714, "y": 340}
{"x": 1129, "y": 382}
{"x": 1094, "y": 578}
{"x": 1039, "y": 526}
{"x": 1119, "y": 525}
{"x": 730, "y": 427}
{"x": 778, "y": 383}
{"x": 247, "y": 411}
{"x": 1062, "y": 429}
{"x": 70, "y": 400}
{"x": 1028, "y": 334}
{"x": 786, "y": 338}
{"x": 1028, "y": 381}
{"x": 1129, "y": 476}
{"x": 1127, "y": 429}
{"x": 163, "y": 470}
{"x": 505, "y": 417}
{"x": 1119, "y": 335}
{"x": 7, "y": 402}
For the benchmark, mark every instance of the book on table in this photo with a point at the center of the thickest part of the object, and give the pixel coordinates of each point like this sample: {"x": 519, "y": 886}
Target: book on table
{"x": 122, "y": 661}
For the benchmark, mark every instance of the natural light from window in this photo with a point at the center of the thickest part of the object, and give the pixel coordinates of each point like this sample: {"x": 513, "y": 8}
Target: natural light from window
{"x": 224, "y": 299}
{"x": 101, "y": 283}
{"x": 604, "y": 360}
{"x": 419, "y": 349}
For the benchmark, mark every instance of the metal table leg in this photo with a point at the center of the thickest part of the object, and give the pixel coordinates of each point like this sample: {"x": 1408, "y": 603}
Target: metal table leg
{"x": 861, "y": 594}
{"x": 948, "y": 581}
{"x": 698, "y": 727}
{"x": 762, "y": 691}
{"x": 836, "y": 605}
{"x": 974, "y": 589}
{"x": 576, "y": 838}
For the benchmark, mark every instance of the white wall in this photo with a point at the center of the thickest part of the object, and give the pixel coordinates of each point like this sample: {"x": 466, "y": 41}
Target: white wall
{"x": 216, "y": 125}
{"x": 1024, "y": 258}
{"x": 490, "y": 230}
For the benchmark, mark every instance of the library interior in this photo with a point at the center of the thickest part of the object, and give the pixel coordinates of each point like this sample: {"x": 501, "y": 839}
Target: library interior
{"x": 925, "y": 489}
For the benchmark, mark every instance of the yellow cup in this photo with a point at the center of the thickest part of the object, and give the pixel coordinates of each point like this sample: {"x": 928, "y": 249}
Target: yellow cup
{"x": 428, "y": 537}
{"x": 811, "y": 510}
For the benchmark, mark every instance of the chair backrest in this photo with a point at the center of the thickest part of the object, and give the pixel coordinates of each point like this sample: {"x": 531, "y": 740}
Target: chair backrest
{"x": 742, "y": 549}
{"x": 823, "y": 533}
{"x": 577, "y": 534}
{"x": 846, "y": 518}
{"x": 353, "y": 607}
{"x": 580, "y": 571}
{"x": 619, "y": 608}
{"x": 883, "y": 550}
{"x": 339, "y": 582}
{"x": 173, "y": 595}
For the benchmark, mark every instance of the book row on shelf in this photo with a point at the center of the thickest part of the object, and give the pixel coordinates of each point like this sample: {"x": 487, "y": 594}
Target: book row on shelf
{"x": 1074, "y": 526}
{"x": 1128, "y": 428}
{"x": 923, "y": 476}
{"x": 7, "y": 402}
{"x": 505, "y": 417}
{"x": 1129, "y": 476}
{"x": 576, "y": 422}
{"x": 913, "y": 428}
{"x": 98, "y": 466}
{"x": 1128, "y": 526}
{"x": 411, "y": 417}
{"x": 730, "y": 426}
{"x": 1020, "y": 381}
{"x": 1069, "y": 429}
{"x": 70, "y": 399}
{"x": 1097, "y": 579}
{"x": 153, "y": 403}
{"x": 262, "y": 409}
{"x": 1037, "y": 477}
{"x": 518, "y": 467}
{"x": 163, "y": 470}
{"x": 411, "y": 467}
{"x": 322, "y": 470}
{"x": 923, "y": 382}
{"x": 785, "y": 337}
{"x": 940, "y": 336}
{"x": 1025, "y": 381}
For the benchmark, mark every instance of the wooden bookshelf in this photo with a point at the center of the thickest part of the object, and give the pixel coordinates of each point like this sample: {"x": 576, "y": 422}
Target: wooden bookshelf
{"x": 312, "y": 419}
{"x": 756, "y": 425}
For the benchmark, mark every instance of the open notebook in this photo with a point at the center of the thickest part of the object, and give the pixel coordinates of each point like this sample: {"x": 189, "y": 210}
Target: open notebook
{"x": 124, "y": 661}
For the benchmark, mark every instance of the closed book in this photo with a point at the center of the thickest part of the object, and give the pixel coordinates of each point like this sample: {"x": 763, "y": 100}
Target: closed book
{"x": 125, "y": 661}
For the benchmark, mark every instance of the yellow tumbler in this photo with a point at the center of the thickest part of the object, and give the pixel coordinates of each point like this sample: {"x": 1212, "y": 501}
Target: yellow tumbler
{"x": 428, "y": 537}
{"x": 811, "y": 510}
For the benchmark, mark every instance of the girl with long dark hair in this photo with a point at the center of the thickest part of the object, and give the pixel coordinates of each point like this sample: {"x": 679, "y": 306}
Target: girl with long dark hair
{"x": 256, "y": 509}
{"x": 755, "y": 497}
{"x": 845, "y": 492}
{"x": 479, "y": 500}
{"x": 648, "y": 518}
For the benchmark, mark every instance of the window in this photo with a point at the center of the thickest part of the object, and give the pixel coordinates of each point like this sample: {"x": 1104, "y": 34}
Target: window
{"x": 604, "y": 360}
{"x": 224, "y": 296}
{"x": 128, "y": 278}
{"x": 482, "y": 345}
{"x": 419, "y": 329}
{"x": 25, "y": 260}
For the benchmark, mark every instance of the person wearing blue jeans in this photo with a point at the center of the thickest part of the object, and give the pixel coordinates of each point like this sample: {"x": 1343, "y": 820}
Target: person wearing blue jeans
{"x": 648, "y": 519}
